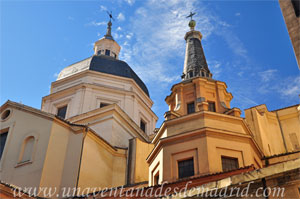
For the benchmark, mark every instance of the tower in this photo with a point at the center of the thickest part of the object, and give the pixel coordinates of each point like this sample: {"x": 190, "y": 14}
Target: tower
{"x": 201, "y": 133}
{"x": 87, "y": 91}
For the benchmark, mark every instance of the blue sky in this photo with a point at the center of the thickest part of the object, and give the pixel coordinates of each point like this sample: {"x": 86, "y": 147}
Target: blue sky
{"x": 245, "y": 42}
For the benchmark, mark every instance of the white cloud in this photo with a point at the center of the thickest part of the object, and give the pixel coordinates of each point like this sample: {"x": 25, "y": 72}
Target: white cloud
{"x": 103, "y": 8}
{"x": 291, "y": 88}
{"x": 117, "y": 36}
{"x": 215, "y": 68}
{"x": 155, "y": 45}
{"x": 94, "y": 23}
{"x": 237, "y": 14}
{"x": 130, "y": 2}
{"x": 267, "y": 75}
{"x": 119, "y": 28}
{"x": 128, "y": 36}
{"x": 234, "y": 43}
{"x": 70, "y": 18}
{"x": 121, "y": 16}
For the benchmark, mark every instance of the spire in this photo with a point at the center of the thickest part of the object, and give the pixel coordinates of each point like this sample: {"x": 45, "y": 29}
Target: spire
{"x": 109, "y": 24}
{"x": 107, "y": 45}
{"x": 195, "y": 64}
{"x": 108, "y": 31}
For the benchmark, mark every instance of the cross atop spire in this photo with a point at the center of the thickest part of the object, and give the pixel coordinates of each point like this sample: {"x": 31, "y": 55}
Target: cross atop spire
{"x": 191, "y": 15}
{"x": 110, "y": 15}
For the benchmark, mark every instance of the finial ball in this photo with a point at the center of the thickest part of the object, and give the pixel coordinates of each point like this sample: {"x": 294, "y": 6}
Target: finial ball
{"x": 192, "y": 24}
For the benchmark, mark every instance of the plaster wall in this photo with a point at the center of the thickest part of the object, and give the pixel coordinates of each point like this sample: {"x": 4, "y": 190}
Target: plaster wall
{"x": 101, "y": 165}
{"x": 21, "y": 124}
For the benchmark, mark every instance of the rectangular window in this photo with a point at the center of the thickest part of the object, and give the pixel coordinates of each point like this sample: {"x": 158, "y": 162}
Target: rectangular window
{"x": 103, "y": 104}
{"x": 212, "y": 106}
{"x": 61, "y": 112}
{"x": 229, "y": 163}
{"x": 190, "y": 107}
{"x": 156, "y": 179}
{"x": 3, "y": 137}
{"x": 186, "y": 168}
{"x": 107, "y": 52}
{"x": 143, "y": 126}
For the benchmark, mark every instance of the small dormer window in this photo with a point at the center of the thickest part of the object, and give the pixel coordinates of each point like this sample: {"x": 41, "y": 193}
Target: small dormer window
{"x": 61, "y": 111}
{"x": 102, "y": 104}
{"x": 99, "y": 52}
{"x": 190, "y": 108}
{"x": 143, "y": 125}
{"x": 191, "y": 74}
{"x": 212, "y": 106}
{"x": 107, "y": 52}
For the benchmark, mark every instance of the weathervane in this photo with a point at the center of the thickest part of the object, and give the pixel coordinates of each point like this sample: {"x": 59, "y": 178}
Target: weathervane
{"x": 110, "y": 15}
{"x": 108, "y": 32}
{"x": 191, "y": 15}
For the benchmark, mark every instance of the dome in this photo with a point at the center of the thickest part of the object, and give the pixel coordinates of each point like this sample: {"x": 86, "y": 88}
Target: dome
{"x": 104, "y": 64}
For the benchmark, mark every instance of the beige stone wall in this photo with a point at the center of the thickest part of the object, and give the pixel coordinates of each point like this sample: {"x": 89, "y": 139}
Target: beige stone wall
{"x": 85, "y": 91}
{"x": 112, "y": 124}
{"x": 107, "y": 44}
{"x": 293, "y": 26}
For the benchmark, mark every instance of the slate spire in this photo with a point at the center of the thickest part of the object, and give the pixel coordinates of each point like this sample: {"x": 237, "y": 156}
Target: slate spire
{"x": 195, "y": 64}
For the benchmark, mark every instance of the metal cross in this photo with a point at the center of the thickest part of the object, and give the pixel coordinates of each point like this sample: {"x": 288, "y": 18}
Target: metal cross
{"x": 191, "y": 15}
{"x": 110, "y": 15}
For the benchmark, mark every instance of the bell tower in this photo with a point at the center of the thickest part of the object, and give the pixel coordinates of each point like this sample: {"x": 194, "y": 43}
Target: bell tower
{"x": 198, "y": 91}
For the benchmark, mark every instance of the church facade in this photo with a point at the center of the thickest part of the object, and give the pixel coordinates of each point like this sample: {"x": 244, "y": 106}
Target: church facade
{"x": 96, "y": 131}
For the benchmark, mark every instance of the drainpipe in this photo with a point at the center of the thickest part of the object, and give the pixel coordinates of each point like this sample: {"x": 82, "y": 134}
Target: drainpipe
{"x": 86, "y": 129}
{"x": 265, "y": 188}
{"x": 281, "y": 131}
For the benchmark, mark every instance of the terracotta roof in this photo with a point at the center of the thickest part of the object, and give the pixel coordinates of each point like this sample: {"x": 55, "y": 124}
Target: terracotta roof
{"x": 281, "y": 154}
{"x": 178, "y": 184}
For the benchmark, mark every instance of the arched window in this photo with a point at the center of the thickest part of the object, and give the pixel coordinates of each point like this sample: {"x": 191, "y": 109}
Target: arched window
{"x": 27, "y": 149}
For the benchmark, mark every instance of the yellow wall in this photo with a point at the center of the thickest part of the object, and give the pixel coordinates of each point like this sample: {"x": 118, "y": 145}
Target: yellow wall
{"x": 211, "y": 90}
{"x": 206, "y": 147}
{"x": 62, "y": 158}
{"x": 290, "y": 124}
{"x": 143, "y": 149}
{"x": 101, "y": 165}
{"x": 272, "y": 130}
